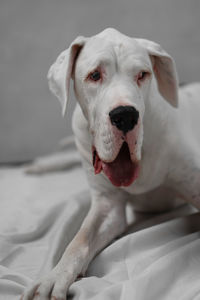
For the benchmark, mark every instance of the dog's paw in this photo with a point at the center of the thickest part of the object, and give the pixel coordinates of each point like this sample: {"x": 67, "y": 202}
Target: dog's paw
{"x": 52, "y": 287}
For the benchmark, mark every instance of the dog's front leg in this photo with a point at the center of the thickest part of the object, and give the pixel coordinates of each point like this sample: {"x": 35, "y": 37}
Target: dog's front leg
{"x": 105, "y": 221}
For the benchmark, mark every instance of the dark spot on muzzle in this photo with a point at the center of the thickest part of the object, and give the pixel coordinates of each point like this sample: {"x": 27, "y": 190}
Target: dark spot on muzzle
{"x": 124, "y": 118}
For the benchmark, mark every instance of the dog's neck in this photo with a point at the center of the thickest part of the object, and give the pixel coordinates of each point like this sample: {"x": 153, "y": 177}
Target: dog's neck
{"x": 157, "y": 117}
{"x": 157, "y": 114}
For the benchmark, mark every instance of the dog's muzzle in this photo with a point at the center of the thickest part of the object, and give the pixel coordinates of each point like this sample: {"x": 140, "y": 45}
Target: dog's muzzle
{"x": 123, "y": 169}
{"x": 124, "y": 118}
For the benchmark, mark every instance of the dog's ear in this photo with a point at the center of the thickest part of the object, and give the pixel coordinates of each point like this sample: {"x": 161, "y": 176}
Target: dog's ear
{"x": 60, "y": 72}
{"x": 164, "y": 69}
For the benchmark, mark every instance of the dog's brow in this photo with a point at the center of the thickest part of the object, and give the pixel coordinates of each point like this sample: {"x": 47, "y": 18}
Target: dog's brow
{"x": 141, "y": 66}
{"x": 95, "y": 63}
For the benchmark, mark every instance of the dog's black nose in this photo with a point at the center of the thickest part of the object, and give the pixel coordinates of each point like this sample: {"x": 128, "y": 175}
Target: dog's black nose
{"x": 124, "y": 118}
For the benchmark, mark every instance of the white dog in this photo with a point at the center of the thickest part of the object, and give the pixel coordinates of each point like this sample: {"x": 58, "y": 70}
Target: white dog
{"x": 136, "y": 145}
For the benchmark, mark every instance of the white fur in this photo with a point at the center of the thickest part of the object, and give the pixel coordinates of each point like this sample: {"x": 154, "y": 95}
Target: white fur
{"x": 168, "y": 140}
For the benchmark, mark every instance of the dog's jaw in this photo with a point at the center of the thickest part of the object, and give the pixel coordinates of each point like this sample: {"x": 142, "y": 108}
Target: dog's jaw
{"x": 123, "y": 168}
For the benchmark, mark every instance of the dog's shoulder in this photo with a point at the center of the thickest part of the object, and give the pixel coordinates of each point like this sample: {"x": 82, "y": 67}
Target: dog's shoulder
{"x": 190, "y": 91}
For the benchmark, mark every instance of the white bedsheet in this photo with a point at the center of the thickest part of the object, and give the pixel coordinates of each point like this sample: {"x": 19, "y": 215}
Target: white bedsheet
{"x": 39, "y": 215}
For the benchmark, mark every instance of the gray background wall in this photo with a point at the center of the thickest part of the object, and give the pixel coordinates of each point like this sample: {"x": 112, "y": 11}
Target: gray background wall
{"x": 33, "y": 33}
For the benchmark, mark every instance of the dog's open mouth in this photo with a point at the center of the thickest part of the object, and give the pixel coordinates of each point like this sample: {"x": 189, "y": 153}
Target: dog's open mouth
{"x": 122, "y": 171}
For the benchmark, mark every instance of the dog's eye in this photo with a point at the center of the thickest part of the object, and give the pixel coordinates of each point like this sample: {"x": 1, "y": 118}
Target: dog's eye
{"x": 142, "y": 75}
{"x": 95, "y": 76}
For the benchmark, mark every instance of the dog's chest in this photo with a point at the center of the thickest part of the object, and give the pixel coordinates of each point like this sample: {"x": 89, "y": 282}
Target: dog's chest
{"x": 158, "y": 200}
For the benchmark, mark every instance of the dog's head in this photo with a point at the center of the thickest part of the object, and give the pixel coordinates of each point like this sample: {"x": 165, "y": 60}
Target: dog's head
{"x": 113, "y": 75}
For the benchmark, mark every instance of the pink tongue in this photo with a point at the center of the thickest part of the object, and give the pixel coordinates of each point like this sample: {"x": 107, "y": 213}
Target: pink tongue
{"x": 122, "y": 171}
